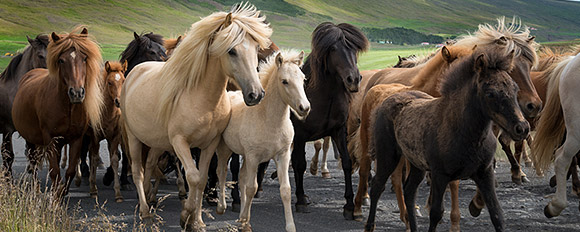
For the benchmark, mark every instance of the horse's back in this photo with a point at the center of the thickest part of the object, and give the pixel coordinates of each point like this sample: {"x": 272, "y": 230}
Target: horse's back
{"x": 569, "y": 85}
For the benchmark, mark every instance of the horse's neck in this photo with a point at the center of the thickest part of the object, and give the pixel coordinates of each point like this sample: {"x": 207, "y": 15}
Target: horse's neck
{"x": 464, "y": 113}
{"x": 540, "y": 84}
{"x": 430, "y": 76}
{"x": 213, "y": 84}
{"x": 24, "y": 66}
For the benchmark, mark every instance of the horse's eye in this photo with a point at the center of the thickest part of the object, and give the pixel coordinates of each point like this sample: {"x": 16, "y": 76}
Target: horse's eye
{"x": 285, "y": 82}
{"x": 232, "y": 52}
{"x": 110, "y": 84}
{"x": 85, "y": 59}
{"x": 152, "y": 52}
{"x": 41, "y": 57}
{"x": 490, "y": 95}
{"x": 60, "y": 61}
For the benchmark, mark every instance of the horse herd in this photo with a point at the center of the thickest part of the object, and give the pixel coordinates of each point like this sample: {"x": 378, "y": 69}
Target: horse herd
{"x": 441, "y": 115}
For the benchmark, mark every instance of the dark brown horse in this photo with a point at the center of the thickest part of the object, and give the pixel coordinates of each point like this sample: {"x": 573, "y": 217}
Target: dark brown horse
{"x": 450, "y": 136}
{"x": 55, "y": 106}
{"x": 144, "y": 47}
{"x": 33, "y": 56}
{"x": 113, "y": 80}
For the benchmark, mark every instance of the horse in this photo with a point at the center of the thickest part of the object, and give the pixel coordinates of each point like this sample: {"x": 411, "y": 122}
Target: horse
{"x": 113, "y": 80}
{"x": 55, "y": 106}
{"x": 476, "y": 91}
{"x": 332, "y": 76}
{"x": 33, "y": 56}
{"x": 182, "y": 103}
{"x": 171, "y": 44}
{"x": 487, "y": 36}
{"x": 558, "y": 123}
{"x": 265, "y": 131}
{"x": 144, "y": 47}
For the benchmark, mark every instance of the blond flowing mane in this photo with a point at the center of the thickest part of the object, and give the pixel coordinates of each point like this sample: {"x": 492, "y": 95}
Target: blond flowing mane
{"x": 517, "y": 38}
{"x": 207, "y": 38}
{"x": 268, "y": 68}
{"x": 93, "y": 102}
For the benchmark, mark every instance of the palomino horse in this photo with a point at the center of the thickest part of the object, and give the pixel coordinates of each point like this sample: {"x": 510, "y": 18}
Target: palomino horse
{"x": 265, "y": 131}
{"x": 559, "y": 122}
{"x": 33, "y": 56}
{"x": 182, "y": 103}
{"x": 332, "y": 75}
{"x": 113, "y": 80}
{"x": 55, "y": 106}
{"x": 476, "y": 91}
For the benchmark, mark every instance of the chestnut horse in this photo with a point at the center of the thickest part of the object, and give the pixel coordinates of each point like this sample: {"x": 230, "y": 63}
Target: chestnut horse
{"x": 450, "y": 136}
{"x": 182, "y": 103}
{"x": 113, "y": 80}
{"x": 33, "y": 56}
{"x": 55, "y": 106}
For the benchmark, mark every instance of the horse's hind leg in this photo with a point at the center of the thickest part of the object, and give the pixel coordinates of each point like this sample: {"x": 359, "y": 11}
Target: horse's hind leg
{"x": 562, "y": 162}
{"x": 151, "y": 168}
{"x": 574, "y": 172}
{"x": 397, "y": 181}
{"x": 324, "y": 168}
{"x": 93, "y": 155}
{"x": 438, "y": 185}
{"x": 7, "y": 153}
{"x": 415, "y": 178}
{"x": 114, "y": 157}
{"x": 362, "y": 189}
{"x": 235, "y": 169}
{"x": 485, "y": 181}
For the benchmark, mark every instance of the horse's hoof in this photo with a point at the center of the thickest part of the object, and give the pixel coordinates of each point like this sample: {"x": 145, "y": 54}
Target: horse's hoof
{"x": 326, "y": 175}
{"x": 358, "y": 216}
{"x": 246, "y": 228}
{"x": 108, "y": 177}
{"x": 274, "y": 175}
{"x": 119, "y": 199}
{"x": 553, "y": 181}
{"x": 454, "y": 228}
{"x": 418, "y": 211}
{"x": 525, "y": 179}
{"x": 127, "y": 187}
{"x": 302, "y": 209}
{"x": 366, "y": 201}
{"x": 547, "y": 212}
{"x": 236, "y": 207}
{"x": 369, "y": 228}
{"x": 313, "y": 169}
{"x": 307, "y": 199}
{"x": 220, "y": 210}
{"x": 473, "y": 210}
{"x": 517, "y": 180}
{"x": 348, "y": 214}
{"x": 258, "y": 193}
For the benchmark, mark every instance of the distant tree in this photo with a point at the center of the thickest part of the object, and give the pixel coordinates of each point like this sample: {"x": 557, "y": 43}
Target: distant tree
{"x": 399, "y": 35}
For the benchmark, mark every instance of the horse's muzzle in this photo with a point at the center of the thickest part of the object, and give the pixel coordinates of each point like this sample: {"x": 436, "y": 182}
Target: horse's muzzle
{"x": 117, "y": 103}
{"x": 254, "y": 97}
{"x": 76, "y": 96}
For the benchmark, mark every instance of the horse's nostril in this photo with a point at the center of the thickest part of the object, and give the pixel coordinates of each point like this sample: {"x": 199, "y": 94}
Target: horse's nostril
{"x": 349, "y": 79}
{"x": 530, "y": 106}
{"x": 71, "y": 92}
{"x": 252, "y": 96}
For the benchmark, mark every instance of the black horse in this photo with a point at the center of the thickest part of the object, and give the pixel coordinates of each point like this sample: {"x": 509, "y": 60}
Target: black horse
{"x": 450, "y": 136}
{"x": 332, "y": 74}
{"x": 33, "y": 56}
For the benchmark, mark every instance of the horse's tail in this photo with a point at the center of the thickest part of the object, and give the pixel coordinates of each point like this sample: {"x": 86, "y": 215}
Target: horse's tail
{"x": 550, "y": 126}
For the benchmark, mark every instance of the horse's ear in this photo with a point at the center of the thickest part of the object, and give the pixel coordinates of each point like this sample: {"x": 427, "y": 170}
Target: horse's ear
{"x": 400, "y": 59}
{"x": 480, "y": 63}
{"x": 301, "y": 58}
{"x": 227, "y": 21}
{"x": 178, "y": 40}
{"x": 85, "y": 31}
{"x": 107, "y": 66}
{"x": 125, "y": 66}
{"x": 279, "y": 60}
{"x": 474, "y": 47}
{"x": 30, "y": 41}
{"x": 501, "y": 40}
{"x": 136, "y": 36}
{"x": 54, "y": 37}
{"x": 530, "y": 39}
{"x": 446, "y": 54}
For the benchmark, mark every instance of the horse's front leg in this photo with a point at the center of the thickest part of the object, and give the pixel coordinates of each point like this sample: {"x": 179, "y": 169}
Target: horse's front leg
{"x": 282, "y": 162}
{"x": 249, "y": 188}
{"x": 73, "y": 160}
{"x": 415, "y": 178}
{"x": 204, "y": 162}
{"x": 135, "y": 151}
{"x": 505, "y": 141}
{"x": 94, "y": 159}
{"x": 455, "y": 213}
{"x": 235, "y": 169}
{"x": 519, "y": 149}
{"x": 223, "y": 153}
{"x": 485, "y": 181}
{"x": 314, "y": 162}
{"x": 299, "y": 165}
{"x": 7, "y": 153}
{"x": 324, "y": 167}
{"x": 339, "y": 138}
{"x": 114, "y": 157}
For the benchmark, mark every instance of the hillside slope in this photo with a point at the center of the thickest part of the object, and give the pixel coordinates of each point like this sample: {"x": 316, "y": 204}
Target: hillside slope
{"x": 293, "y": 20}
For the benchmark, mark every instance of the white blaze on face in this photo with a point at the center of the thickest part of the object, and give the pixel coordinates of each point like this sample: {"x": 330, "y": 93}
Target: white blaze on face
{"x": 73, "y": 54}
{"x": 246, "y": 44}
{"x": 117, "y": 77}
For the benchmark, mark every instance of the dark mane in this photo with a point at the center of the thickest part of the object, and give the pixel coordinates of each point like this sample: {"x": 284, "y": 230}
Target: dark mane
{"x": 464, "y": 70}
{"x": 326, "y": 35}
{"x": 145, "y": 40}
{"x": 8, "y": 73}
